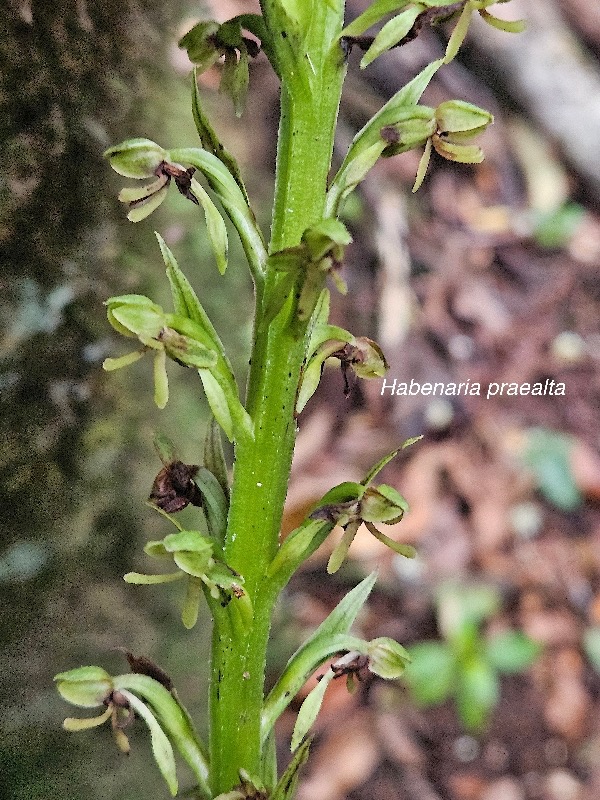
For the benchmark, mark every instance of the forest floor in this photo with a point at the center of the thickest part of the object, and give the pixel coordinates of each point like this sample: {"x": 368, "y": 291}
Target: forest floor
{"x": 488, "y": 276}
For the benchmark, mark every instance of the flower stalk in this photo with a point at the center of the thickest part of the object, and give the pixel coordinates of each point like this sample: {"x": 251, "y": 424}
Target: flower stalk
{"x": 233, "y": 560}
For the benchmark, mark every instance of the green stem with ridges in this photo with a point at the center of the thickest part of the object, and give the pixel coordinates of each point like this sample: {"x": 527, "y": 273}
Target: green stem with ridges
{"x": 309, "y": 106}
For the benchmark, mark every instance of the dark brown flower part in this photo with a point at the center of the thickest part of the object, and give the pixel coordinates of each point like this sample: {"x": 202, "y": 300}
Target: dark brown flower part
{"x": 174, "y": 488}
{"x": 144, "y": 666}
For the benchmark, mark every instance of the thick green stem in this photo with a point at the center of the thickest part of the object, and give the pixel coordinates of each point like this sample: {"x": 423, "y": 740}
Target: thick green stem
{"x": 309, "y": 108}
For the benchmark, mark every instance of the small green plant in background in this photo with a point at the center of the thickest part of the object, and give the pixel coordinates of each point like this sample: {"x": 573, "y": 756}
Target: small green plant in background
{"x": 231, "y": 557}
{"x": 467, "y": 664}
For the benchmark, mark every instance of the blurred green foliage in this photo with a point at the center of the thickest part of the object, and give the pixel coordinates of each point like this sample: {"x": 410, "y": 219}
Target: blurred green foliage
{"x": 466, "y": 665}
{"x": 548, "y": 455}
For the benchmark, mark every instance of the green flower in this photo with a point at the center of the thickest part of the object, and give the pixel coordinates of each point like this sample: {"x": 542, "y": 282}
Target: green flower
{"x": 141, "y": 158}
{"x": 349, "y": 505}
{"x": 136, "y": 316}
{"x": 457, "y": 122}
{"x": 89, "y": 687}
{"x": 193, "y": 554}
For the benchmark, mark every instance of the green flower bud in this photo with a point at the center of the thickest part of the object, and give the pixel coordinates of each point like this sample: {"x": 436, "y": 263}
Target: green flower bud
{"x": 135, "y": 315}
{"x": 201, "y": 45}
{"x": 412, "y": 129}
{"x": 86, "y": 687}
{"x": 367, "y": 359}
{"x": 186, "y": 350}
{"x": 382, "y": 504}
{"x": 387, "y": 658}
{"x": 136, "y": 158}
{"x": 455, "y": 116}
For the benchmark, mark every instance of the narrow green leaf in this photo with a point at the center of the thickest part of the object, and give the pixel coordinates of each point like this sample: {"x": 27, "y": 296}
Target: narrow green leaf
{"x": 216, "y": 505}
{"x": 460, "y": 31}
{"x": 311, "y": 377}
{"x": 376, "y": 11}
{"x": 185, "y": 300}
{"x": 209, "y": 138}
{"x": 286, "y": 786}
{"x": 367, "y": 141}
{"x": 174, "y": 719}
{"x": 375, "y": 470}
{"x": 217, "y": 402}
{"x": 391, "y": 33}
{"x": 214, "y": 457}
{"x": 329, "y": 638}
{"x": 298, "y": 546}
{"x": 351, "y": 173}
{"x": 309, "y": 709}
{"x": 217, "y": 232}
{"x": 161, "y": 747}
